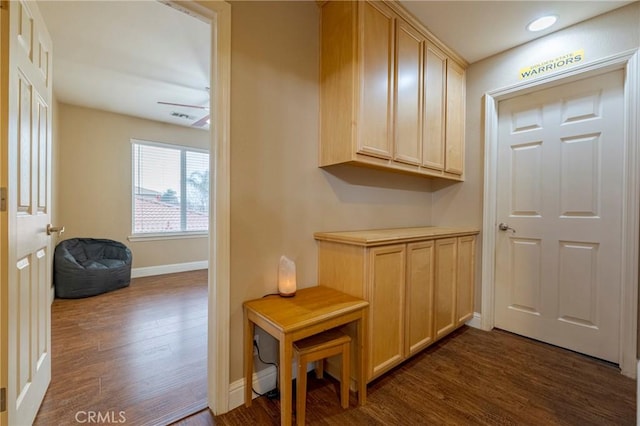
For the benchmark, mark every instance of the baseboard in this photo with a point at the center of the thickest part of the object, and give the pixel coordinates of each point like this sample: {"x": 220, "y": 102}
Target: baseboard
{"x": 263, "y": 381}
{"x": 149, "y": 271}
{"x": 475, "y": 322}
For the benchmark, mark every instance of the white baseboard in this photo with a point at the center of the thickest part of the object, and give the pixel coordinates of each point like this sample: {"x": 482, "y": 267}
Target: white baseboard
{"x": 263, "y": 381}
{"x": 149, "y": 271}
{"x": 475, "y": 322}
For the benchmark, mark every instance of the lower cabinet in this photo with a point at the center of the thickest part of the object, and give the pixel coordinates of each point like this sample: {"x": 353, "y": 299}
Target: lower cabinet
{"x": 386, "y": 270}
{"x": 418, "y": 281}
{"x": 419, "y": 296}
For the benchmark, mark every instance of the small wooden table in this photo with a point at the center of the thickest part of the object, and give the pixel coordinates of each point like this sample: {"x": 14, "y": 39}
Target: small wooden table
{"x": 311, "y": 311}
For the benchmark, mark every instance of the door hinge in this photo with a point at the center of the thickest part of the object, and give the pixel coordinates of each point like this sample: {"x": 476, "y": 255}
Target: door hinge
{"x": 3, "y": 400}
{"x": 3, "y": 199}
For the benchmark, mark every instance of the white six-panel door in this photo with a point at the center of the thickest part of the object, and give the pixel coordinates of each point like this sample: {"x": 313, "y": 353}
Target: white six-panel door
{"x": 29, "y": 203}
{"x": 559, "y": 192}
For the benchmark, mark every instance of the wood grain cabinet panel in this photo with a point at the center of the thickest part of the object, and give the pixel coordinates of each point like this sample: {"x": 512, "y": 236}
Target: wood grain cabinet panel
{"x": 454, "y": 157}
{"x": 435, "y": 88}
{"x": 465, "y": 278}
{"x": 391, "y": 93}
{"x": 418, "y": 282}
{"x": 419, "y": 296}
{"x": 408, "y": 89}
{"x": 386, "y": 270}
{"x": 377, "y": 23}
{"x": 444, "y": 309}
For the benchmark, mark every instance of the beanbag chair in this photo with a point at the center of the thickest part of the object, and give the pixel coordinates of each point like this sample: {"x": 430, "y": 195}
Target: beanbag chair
{"x": 84, "y": 267}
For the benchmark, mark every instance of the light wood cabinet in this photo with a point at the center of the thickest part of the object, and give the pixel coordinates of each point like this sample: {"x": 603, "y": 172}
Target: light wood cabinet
{"x": 408, "y": 90}
{"x": 386, "y": 270}
{"x": 435, "y": 83}
{"x": 411, "y": 278}
{"x": 465, "y": 274}
{"x": 374, "y": 139}
{"x": 419, "y": 296}
{"x": 444, "y": 308}
{"x": 454, "y": 158}
{"x": 392, "y": 95}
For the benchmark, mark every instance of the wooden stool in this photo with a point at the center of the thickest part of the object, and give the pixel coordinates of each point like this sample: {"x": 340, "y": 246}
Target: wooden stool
{"x": 317, "y": 348}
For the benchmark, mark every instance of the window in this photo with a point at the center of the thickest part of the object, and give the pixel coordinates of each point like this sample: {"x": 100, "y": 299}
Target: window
{"x": 170, "y": 189}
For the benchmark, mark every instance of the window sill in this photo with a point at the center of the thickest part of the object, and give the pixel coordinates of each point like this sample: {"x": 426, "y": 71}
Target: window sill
{"x": 167, "y": 236}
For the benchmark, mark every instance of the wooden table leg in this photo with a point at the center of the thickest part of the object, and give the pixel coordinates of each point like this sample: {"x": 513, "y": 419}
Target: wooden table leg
{"x": 286, "y": 395}
{"x": 249, "y": 328}
{"x": 361, "y": 357}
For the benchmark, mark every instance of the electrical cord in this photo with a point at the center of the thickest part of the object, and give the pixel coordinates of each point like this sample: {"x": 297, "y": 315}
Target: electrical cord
{"x": 274, "y": 392}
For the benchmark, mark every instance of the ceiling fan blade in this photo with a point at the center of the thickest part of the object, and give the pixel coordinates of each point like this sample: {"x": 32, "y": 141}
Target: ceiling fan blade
{"x": 183, "y": 105}
{"x": 202, "y": 122}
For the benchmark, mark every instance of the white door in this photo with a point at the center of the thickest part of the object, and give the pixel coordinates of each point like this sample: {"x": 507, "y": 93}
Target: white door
{"x": 28, "y": 170}
{"x": 560, "y": 189}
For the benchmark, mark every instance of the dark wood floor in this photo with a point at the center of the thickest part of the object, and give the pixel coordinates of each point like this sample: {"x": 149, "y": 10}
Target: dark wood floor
{"x": 140, "y": 350}
{"x": 470, "y": 378}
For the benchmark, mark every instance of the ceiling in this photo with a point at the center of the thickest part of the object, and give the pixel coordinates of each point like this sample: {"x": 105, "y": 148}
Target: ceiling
{"x": 126, "y": 56}
{"x": 479, "y": 29}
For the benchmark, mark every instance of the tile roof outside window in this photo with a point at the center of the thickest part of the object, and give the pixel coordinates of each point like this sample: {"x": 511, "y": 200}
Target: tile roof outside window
{"x": 164, "y": 217}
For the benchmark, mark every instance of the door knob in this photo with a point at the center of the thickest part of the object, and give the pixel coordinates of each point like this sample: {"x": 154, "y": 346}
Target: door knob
{"x": 505, "y": 227}
{"x": 52, "y": 229}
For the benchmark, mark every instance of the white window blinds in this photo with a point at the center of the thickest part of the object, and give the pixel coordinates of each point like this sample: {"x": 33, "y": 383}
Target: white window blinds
{"x": 170, "y": 189}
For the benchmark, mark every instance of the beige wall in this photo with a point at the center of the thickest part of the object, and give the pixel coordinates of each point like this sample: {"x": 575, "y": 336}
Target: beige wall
{"x": 279, "y": 197}
{"x": 93, "y": 180}
{"x": 600, "y": 37}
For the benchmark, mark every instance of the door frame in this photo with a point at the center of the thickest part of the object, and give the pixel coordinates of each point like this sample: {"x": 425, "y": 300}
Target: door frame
{"x": 628, "y": 61}
{"x": 4, "y": 215}
{"x": 220, "y": 221}
{"x": 218, "y": 14}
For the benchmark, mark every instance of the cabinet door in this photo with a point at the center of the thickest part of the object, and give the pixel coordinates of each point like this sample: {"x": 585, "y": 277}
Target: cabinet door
{"x": 419, "y": 296}
{"x": 376, "y": 62}
{"x": 408, "y": 89}
{"x": 465, "y": 278}
{"x": 386, "y": 310}
{"x": 435, "y": 89}
{"x": 454, "y": 157}
{"x": 445, "y": 287}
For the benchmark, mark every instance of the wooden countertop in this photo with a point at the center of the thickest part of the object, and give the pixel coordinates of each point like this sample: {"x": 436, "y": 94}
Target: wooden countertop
{"x": 377, "y": 237}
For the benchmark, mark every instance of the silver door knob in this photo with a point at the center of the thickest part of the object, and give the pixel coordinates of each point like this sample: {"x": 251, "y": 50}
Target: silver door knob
{"x": 505, "y": 227}
{"x": 52, "y": 229}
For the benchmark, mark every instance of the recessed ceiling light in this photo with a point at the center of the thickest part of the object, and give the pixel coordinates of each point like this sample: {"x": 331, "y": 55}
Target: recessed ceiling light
{"x": 542, "y": 23}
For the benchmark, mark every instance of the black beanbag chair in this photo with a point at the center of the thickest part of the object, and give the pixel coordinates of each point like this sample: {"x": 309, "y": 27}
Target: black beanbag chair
{"x": 84, "y": 267}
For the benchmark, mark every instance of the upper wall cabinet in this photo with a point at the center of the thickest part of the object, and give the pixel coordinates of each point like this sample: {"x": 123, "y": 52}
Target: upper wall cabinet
{"x": 392, "y": 95}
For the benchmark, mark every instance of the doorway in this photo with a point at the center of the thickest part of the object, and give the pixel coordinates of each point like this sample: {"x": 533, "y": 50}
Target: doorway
{"x": 575, "y": 254}
{"x": 218, "y": 13}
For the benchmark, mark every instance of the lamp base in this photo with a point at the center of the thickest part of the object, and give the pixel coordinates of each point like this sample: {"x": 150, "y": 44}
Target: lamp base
{"x": 287, "y": 294}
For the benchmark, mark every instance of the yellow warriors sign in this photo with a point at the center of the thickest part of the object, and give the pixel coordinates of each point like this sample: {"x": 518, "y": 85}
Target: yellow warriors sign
{"x": 552, "y": 64}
